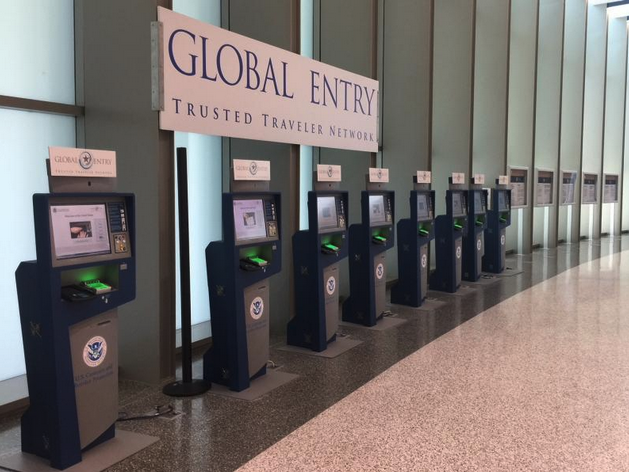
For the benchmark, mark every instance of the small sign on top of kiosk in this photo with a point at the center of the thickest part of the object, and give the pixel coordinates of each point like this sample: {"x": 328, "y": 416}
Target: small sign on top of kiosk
{"x": 72, "y": 162}
{"x": 245, "y": 169}
{"x": 378, "y": 175}
{"x": 479, "y": 179}
{"x": 328, "y": 173}
{"x": 458, "y": 178}
{"x": 424, "y": 176}
{"x": 503, "y": 180}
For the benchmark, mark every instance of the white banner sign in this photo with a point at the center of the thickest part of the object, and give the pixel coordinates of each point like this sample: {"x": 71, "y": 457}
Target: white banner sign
{"x": 251, "y": 170}
{"x": 72, "y": 162}
{"x": 378, "y": 174}
{"x": 221, "y": 83}
{"x": 328, "y": 173}
{"x": 424, "y": 176}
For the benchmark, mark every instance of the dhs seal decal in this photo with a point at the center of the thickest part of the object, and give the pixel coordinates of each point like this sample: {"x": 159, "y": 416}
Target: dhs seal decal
{"x": 257, "y": 308}
{"x": 253, "y": 168}
{"x": 458, "y": 252}
{"x": 502, "y": 240}
{"x": 330, "y": 285}
{"x": 95, "y": 351}
{"x": 479, "y": 244}
{"x": 380, "y": 271}
{"x": 86, "y": 160}
{"x": 424, "y": 261}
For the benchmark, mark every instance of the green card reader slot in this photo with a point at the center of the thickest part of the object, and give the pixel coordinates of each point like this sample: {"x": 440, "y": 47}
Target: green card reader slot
{"x": 329, "y": 248}
{"x": 458, "y": 227}
{"x": 95, "y": 286}
{"x": 424, "y": 232}
{"x": 253, "y": 263}
{"x": 379, "y": 239}
{"x": 479, "y": 222}
{"x": 502, "y": 219}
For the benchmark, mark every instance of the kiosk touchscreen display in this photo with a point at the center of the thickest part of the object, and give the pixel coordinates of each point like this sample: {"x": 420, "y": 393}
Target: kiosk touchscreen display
{"x": 423, "y": 207}
{"x": 377, "y": 215}
{"x": 458, "y": 208}
{"x": 326, "y": 211}
{"x": 502, "y": 201}
{"x": 479, "y": 206}
{"x": 79, "y": 230}
{"x": 249, "y": 219}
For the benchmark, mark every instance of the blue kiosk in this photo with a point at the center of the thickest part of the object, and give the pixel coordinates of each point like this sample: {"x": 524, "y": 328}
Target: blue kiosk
{"x": 473, "y": 246}
{"x": 368, "y": 243}
{"x": 238, "y": 269}
{"x": 414, "y": 235}
{"x": 449, "y": 230}
{"x": 68, "y": 300}
{"x": 317, "y": 253}
{"x": 498, "y": 219}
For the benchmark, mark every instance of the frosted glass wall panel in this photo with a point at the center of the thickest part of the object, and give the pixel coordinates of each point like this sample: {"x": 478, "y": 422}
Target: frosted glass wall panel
{"x": 490, "y": 88}
{"x": 306, "y": 38}
{"x": 614, "y": 114}
{"x": 204, "y": 193}
{"x": 549, "y": 60}
{"x": 521, "y": 109}
{"x": 25, "y": 138}
{"x": 452, "y": 94}
{"x": 572, "y": 111}
{"x": 37, "y": 49}
{"x": 594, "y": 97}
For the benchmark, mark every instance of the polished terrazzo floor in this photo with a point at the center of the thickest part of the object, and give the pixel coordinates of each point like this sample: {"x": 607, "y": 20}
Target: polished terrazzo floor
{"x": 536, "y": 382}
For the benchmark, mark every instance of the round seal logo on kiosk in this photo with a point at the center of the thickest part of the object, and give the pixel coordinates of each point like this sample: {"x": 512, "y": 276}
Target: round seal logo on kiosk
{"x": 458, "y": 252}
{"x": 85, "y": 160}
{"x": 257, "y": 308}
{"x": 253, "y": 168}
{"x": 330, "y": 285}
{"x": 95, "y": 351}
{"x": 502, "y": 240}
{"x": 330, "y": 171}
{"x": 379, "y": 271}
{"x": 424, "y": 261}
{"x": 479, "y": 244}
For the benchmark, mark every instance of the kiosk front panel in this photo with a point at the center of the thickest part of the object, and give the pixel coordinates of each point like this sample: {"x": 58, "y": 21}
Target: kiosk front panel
{"x": 316, "y": 256}
{"x": 498, "y": 219}
{"x": 473, "y": 240}
{"x": 85, "y": 269}
{"x": 238, "y": 269}
{"x": 449, "y": 230}
{"x": 414, "y": 236}
{"x": 368, "y": 243}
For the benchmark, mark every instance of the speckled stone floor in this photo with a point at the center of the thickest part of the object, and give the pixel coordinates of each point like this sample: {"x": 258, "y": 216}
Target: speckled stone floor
{"x": 501, "y": 392}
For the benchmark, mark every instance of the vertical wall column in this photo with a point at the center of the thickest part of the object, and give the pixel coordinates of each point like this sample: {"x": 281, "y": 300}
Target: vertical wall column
{"x": 274, "y": 22}
{"x": 453, "y": 83}
{"x": 491, "y": 86}
{"x": 594, "y": 111}
{"x": 521, "y": 115}
{"x": 345, "y": 38}
{"x": 572, "y": 114}
{"x": 406, "y": 85}
{"x": 116, "y": 73}
{"x": 547, "y": 115}
{"x": 614, "y": 117}
{"x": 625, "y": 188}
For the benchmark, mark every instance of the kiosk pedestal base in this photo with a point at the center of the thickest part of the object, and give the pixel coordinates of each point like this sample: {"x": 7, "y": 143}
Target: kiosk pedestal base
{"x": 383, "y": 324}
{"x": 260, "y": 386}
{"x": 333, "y": 350}
{"x": 124, "y": 445}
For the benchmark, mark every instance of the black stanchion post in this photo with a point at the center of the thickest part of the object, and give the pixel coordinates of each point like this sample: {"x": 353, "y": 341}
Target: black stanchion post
{"x": 187, "y": 386}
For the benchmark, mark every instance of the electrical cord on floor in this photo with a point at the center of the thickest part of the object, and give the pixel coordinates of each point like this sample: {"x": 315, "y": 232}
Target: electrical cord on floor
{"x": 271, "y": 364}
{"x": 388, "y": 313}
{"x": 160, "y": 410}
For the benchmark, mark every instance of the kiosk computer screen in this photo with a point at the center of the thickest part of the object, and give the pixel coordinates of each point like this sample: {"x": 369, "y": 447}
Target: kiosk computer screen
{"x": 458, "y": 208}
{"x": 423, "y": 207}
{"x": 249, "y": 221}
{"x": 376, "y": 210}
{"x": 326, "y": 211}
{"x": 502, "y": 201}
{"x": 479, "y": 206}
{"x": 79, "y": 230}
